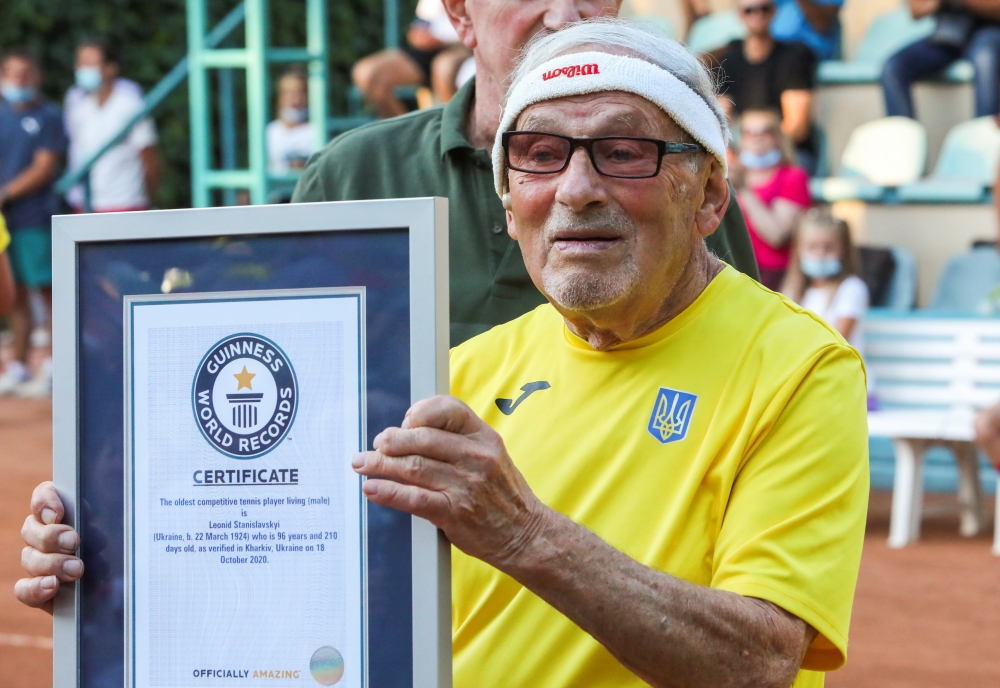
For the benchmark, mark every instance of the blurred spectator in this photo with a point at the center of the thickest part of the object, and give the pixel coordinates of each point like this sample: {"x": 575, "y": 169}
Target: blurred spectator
{"x": 813, "y": 22}
{"x": 290, "y": 138}
{"x": 772, "y": 193}
{"x": 97, "y": 106}
{"x": 32, "y": 145}
{"x": 964, "y": 28}
{"x": 431, "y": 56}
{"x": 761, "y": 73}
{"x": 823, "y": 276}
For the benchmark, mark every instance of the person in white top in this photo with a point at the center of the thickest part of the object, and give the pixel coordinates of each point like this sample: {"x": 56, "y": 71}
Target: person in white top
{"x": 97, "y": 106}
{"x": 823, "y": 275}
{"x": 290, "y": 138}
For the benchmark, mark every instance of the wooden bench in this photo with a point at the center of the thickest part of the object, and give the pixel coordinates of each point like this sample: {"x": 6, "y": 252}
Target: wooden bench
{"x": 931, "y": 376}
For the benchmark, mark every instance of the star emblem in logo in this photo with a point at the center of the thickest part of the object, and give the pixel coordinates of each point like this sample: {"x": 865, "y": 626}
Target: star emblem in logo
{"x": 244, "y": 379}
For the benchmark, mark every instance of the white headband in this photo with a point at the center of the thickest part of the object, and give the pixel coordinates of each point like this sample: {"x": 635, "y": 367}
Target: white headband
{"x": 594, "y": 72}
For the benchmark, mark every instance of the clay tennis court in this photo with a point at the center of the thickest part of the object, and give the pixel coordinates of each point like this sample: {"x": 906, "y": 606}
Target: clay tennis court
{"x": 924, "y": 617}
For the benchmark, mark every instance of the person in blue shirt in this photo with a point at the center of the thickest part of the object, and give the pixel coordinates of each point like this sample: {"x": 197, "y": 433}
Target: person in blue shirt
{"x": 32, "y": 147}
{"x": 813, "y": 22}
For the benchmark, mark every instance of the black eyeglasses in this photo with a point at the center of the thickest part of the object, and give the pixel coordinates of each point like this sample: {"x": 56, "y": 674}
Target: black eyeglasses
{"x": 766, "y": 8}
{"x": 629, "y": 157}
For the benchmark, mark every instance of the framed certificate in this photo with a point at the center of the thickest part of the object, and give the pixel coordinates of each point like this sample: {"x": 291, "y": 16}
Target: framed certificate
{"x": 214, "y": 372}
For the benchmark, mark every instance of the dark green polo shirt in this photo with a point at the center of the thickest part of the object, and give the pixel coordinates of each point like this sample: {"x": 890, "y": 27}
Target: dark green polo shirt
{"x": 426, "y": 153}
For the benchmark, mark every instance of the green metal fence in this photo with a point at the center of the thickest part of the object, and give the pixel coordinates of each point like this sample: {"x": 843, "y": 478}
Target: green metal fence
{"x": 255, "y": 58}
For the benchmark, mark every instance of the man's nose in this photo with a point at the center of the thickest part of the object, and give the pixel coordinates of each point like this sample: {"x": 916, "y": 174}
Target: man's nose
{"x": 580, "y": 185}
{"x": 561, "y": 12}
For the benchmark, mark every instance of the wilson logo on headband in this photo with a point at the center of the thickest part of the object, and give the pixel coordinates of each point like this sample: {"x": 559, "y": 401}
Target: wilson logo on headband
{"x": 571, "y": 71}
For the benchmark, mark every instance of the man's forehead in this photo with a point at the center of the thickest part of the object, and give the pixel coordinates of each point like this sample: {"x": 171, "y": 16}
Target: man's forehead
{"x": 613, "y": 110}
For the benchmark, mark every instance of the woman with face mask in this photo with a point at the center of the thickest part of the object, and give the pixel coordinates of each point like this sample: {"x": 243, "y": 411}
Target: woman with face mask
{"x": 772, "y": 193}
{"x": 823, "y": 275}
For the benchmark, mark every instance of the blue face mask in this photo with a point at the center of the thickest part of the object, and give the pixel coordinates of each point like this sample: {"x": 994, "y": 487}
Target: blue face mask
{"x": 293, "y": 115}
{"x": 15, "y": 94}
{"x": 88, "y": 78}
{"x": 760, "y": 161}
{"x": 820, "y": 268}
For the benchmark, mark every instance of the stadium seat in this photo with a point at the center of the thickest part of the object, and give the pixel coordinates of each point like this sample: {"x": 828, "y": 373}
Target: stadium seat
{"x": 966, "y": 168}
{"x": 966, "y": 281}
{"x": 902, "y": 292}
{"x": 887, "y": 34}
{"x": 714, "y": 31}
{"x": 886, "y": 152}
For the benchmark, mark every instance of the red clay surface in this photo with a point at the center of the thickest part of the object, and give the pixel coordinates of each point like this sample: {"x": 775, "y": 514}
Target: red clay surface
{"x": 924, "y": 617}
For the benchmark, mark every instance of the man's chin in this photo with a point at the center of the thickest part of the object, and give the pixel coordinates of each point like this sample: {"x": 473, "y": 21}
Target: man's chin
{"x": 585, "y": 289}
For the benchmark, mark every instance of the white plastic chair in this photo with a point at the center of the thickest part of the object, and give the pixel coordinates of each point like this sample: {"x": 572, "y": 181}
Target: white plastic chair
{"x": 966, "y": 167}
{"x": 931, "y": 377}
{"x": 714, "y": 31}
{"x": 886, "y": 152}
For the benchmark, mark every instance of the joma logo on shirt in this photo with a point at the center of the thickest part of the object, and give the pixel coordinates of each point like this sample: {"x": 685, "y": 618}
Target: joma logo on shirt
{"x": 571, "y": 71}
{"x": 671, "y": 415}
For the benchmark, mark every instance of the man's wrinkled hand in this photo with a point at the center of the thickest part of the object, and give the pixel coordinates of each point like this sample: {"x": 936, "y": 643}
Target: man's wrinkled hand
{"x": 49, "y": 556}
{"x": 448, "y": 466}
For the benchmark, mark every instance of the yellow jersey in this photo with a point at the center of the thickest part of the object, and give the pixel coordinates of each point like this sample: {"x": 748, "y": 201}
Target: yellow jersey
{"x": 728, "y": 448}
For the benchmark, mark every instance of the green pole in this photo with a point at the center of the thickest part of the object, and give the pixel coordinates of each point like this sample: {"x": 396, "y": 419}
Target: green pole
{"x": 200, "y": 125}
{"x": 257, "y": 96}
{"x": 391, "y": 23}
{"x": 319, "y": 94}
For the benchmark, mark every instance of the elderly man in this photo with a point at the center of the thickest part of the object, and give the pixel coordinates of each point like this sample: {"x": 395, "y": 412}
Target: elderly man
{"x": 660, "y": 477}
{"x": 442, "y": 152}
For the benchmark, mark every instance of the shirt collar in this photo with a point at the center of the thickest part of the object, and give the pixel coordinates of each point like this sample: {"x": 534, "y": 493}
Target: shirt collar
{"x": 455, "y": 117}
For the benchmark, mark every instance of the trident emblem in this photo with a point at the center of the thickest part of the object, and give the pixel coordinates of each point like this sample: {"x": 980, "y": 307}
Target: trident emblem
{"x": 671, "y": 415}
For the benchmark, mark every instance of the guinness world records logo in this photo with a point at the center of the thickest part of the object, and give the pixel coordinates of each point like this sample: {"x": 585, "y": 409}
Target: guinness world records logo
{"x": 245, "y": 395}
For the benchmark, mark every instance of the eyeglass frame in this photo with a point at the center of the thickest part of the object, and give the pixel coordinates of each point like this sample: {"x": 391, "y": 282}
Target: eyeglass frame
{"x": 663, "y": 148}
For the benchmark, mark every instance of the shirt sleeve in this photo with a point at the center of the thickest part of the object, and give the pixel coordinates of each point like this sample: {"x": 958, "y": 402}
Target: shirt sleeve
{"x": 143, "y": 134}
{"x": 4, "y": 235}
{"x": 797, "y": 71}
{"x": 794, "y": 186}
{"x": 52, "y": 137}
{"x": 851, "y": 299}
{"x": 794, "y": 525}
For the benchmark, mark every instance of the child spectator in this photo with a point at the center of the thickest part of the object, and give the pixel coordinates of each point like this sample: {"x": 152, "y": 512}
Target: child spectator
{"x": 772, "y": 193}
{"x": 96, "y": 108}
{"x": 823, "y": 276}
{"x": 290, "y": 138}
{"x": 32, "y": 145}
{"x": 761, "y": 73}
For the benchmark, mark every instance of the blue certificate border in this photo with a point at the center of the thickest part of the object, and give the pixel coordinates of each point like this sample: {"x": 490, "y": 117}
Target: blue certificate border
{"x": 133, "y": 302}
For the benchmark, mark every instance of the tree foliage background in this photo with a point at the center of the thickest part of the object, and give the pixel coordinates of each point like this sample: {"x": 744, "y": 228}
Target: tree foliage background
{"x": 152, "y": 37}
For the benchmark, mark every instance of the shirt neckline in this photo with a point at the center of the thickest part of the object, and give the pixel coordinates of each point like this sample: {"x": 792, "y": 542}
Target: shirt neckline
{"x": 719, "y": 284}
{"x": 454, "y": 117}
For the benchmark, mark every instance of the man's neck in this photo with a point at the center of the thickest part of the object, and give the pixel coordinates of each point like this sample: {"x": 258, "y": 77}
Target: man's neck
{"x": 25, "y": 105}
{"x": 484, "y": 115}
{"x": 757, "y": 48}
{"x": 618, "y": 324}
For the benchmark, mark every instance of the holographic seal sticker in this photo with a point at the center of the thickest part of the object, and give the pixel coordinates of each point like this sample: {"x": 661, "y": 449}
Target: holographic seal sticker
{"x": 327, "y": 666}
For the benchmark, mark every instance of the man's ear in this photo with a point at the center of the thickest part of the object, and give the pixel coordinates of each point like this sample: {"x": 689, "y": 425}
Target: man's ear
{"x": 458, "y": 12}
{"x": 511, "y": 226}
{"x": 716, "y": 199}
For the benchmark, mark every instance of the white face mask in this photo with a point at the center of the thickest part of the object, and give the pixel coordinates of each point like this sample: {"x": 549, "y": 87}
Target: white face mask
{"x": 294, "y": 115}
{"x": 88, "y": 78}
{"x": 820, "y": 268}
{"x": 760, "y": 161}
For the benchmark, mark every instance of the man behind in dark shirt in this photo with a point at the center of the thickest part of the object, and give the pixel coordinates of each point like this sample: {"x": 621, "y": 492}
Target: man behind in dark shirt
{"x": 32, "y": 145}
{"x": 761, "y": 73}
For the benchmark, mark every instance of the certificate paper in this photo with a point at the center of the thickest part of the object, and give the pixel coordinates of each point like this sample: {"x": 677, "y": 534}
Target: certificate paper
{"x": 245, "y": 522}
